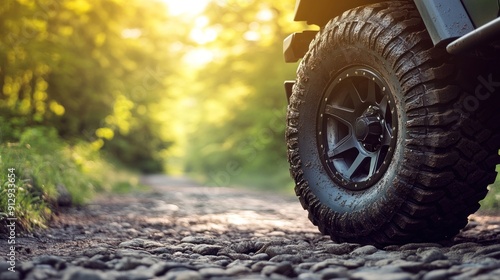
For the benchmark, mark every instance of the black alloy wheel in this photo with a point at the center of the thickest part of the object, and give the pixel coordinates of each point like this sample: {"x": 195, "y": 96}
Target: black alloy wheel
{"x": 357, "y": 128}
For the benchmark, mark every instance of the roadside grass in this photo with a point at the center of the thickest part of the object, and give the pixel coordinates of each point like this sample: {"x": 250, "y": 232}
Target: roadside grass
{"x": 492, "y": 201}
{"x": 45, "y": 167}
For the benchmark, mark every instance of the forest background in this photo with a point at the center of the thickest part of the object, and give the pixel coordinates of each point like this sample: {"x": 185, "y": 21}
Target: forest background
{"x": 95, "y": 90}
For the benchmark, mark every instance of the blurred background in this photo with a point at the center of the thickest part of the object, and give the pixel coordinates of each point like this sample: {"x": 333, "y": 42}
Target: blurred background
{"x": 95, "y": 93}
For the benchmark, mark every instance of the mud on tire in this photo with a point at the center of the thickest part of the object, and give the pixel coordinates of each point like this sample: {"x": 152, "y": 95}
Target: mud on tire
{"x": 380, "y": 146}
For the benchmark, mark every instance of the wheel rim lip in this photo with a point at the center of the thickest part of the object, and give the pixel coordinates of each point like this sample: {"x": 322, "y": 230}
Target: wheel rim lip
{"x": 337, "y": 175}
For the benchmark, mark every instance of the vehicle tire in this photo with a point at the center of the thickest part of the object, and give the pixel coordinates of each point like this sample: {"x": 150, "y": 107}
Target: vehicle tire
{"x": 379, "y": 146}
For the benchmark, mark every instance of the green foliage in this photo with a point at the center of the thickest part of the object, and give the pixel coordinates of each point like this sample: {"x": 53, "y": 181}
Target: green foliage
{"x": 492, "y": 200}
{"x": 42, "y": 161}
{"x": 84, "y": 66}
{"x": 238, "y": 135}
{"x": 29, "y": 208}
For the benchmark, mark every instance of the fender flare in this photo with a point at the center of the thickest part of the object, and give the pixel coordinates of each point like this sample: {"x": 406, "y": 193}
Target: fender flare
{"x": 445, "y": 20}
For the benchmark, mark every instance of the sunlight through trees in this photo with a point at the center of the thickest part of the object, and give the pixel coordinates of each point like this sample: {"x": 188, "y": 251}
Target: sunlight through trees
{"x": 161, "y": 85}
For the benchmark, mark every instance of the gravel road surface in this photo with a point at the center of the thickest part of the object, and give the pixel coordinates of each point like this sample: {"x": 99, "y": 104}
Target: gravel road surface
{"x": 181, "y": 230}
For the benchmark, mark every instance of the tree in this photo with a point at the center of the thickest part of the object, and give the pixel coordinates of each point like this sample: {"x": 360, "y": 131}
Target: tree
{"x": 241, "y": 106}
{"x": 92, "y": 69}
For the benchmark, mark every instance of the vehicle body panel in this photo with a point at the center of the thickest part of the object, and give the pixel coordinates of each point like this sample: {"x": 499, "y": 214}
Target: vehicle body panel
{"x": 447, "y": 21}
{"x": 319, "y": 12}
{"x": 482, "y": 11}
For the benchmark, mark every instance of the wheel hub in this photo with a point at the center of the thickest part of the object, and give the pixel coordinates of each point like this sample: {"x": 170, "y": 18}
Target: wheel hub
{"x": 357, "y": 128}
{"x": 368, "y": 129}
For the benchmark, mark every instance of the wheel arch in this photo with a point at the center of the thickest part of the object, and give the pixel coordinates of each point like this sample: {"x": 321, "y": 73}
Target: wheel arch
{"x": 319, "y": 12}
{"x": 445, "y": 20}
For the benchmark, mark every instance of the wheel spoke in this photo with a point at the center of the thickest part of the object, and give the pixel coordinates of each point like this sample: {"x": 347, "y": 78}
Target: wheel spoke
{"x": 384, "y": 105}
{"x": 348, "y": 143}
{"x": 354, "y": 94}
{"x": 343, "y": 114}
{"x": 374, "y": 163}
{"x": 371, "y": 97}
{"x": 355, "y": 165}
{"x": 388, "y": 135}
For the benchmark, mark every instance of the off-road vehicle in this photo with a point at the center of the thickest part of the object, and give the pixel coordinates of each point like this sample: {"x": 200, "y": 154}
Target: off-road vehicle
{"x": 393, "y": 127}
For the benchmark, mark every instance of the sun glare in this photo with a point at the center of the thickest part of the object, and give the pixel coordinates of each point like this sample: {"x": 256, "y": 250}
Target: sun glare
{"x": 192, "y": 10}
{"x": 199, "y": 57}
{"x": 185, "y": 7}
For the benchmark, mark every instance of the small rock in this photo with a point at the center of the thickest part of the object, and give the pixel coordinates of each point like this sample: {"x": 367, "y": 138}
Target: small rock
{"x": 204, "y": 249}
{"x": 279, "y": 250}
{"x": 54, "y": 261}
{"x": 392, "y": 248}
{"x": 415, "y": 246}
{"x": 384, "y": 262}
{"x": 310, "y": 276}
{"x": 440, "y": 264}
{"x": 258, "y": 266}
{"x": 141, "y": 273}
{"x": 431, "y": 255}
{"x": 260, "y": 257}
{"x": 205, "y": 239}
{"x": 183, "y": 275}
{"x": 469, "y": 273}
{"x": 212, "y": 272}
{"x": 42, "y": 272}
{"x": 95, "y": 264}
{"x": 236, "y": 256}
{"x": 4, "y": 266}
{"x": 132, "y": 253}
{"x": 222, "y": 262}
{"x": 305, "y": 265}
{"x": 326, "y": 263}
{"x": 237, "y": 270}
{"x": 9, "y": 275}
{"x": 161, "y": 268}
{"x": 132, "y": 232}
{"x": 95, "y": 251}
{"x": 284, "y": 268}
{"x": 353, "y": 263}
{"x": 365, "y": 250}
{"x": 245, "y": 263}
{"x": 126, "y": 225}
{"x": 439, "y": 274}
{"x": 26, "y": 267}
{"x": 83, "y": 274}
{"x": 377, "y": 275}
{"x": 333, "y": 272}
{"x": 141, "y": 243}
{"x": 340, "y": 249}
{"x": 295, "y": 259}
{"x": 277, "y": 233}
{"x": 467, "y": 245}
{"x": 409, "y": 266}
{"x": 492, "y": 250}
{"x": 245, "y": 247}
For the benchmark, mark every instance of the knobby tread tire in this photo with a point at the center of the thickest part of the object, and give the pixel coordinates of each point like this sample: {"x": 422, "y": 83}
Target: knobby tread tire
{"x": 448, "y": 154}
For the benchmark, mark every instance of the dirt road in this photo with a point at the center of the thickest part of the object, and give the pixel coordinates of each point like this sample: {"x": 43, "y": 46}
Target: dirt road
{"x": 181, "y": 230}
